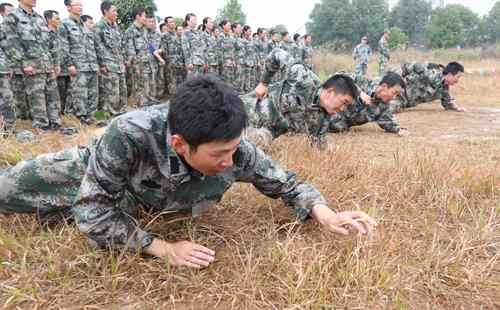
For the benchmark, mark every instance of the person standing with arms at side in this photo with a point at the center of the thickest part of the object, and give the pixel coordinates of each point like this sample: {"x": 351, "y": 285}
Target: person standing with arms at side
{"x": 169, "y": 53}
{"x": 7, "y": 102}
{"x": 28, "y": 46}
{"x": 193, "y": 46}
{"x": 227, "y": 48}
{"x": 212, "y": 51}
{"x": 240, "y": 55}
{"x": 112, "y": 83}
{"x": 156, "y": 78}
{"x": 361, "y": 55}
{"x": 385, "y": 56}
{"x": 79, "y": 57}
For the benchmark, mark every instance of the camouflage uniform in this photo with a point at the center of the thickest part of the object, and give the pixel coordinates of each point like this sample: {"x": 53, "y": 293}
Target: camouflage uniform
{"x": 140, "y": 71}
{"x": 63, "y": 77}
{"x": 79, "y": 50}
{"x": 157, "y": 79}
{"x": 7, "y": 109}
{"x": 240, "y": 50}
{"x": 292, "y": 104}
{"x": 272, "y": 45}
{"x": 360, "y": 113}
{"x": 251, "y": 60}
{"x": 112, "y": 85}
{"x": 423, "y": 85}
{"x": 28, "y": 45}
{"x": 227, "y": 46}
{"x": 262, "y": 49}
{"x": 307, "y": 55}
{"x": 193, "y": 48}
{"x": 132, "y": 164}
{"x": 171, "y": 55}
{"x": 384, "y": 56}
{"x": 361, "y": 54}
{"x": 212, "y": 53}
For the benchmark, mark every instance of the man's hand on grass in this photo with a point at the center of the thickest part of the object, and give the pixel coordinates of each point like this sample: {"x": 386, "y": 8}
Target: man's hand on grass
{"x": 342, "y": 223}
{"x": 182, "y": 253}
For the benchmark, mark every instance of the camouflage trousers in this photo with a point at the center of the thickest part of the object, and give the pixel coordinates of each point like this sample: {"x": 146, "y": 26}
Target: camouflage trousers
{"x": 84, "y": 94}
{"x": 214, "y": 70}
{"x": 339, "y": 123}
{"x": 248, "y": 82}
{"x": 21, "y": 101}
{"x": 383, "y": 61}
{"x": 113, "y": 93}
{"x": 43, "y": 99}
{"x": 45, "y": 185}
{"x": 7, "y": 105}
{"x": 228, "y": 74}
{"x": 143, "y": 85}
{"x": 239, "y": 80}
{"x": 180, "y": 75}
{"x": 361, "y": 69}
{"x": 160, "y": 82}
{"x": 170, "y": 80}
{"x": 197, "y": 70}
{"x": 63, "y": 86}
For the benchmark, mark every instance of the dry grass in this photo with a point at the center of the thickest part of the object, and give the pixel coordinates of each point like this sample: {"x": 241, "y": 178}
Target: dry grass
{"x": 436, "y": 195}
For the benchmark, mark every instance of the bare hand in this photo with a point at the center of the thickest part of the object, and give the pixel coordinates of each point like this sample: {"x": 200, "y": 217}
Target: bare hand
{"x": 57, "y": 71}
{"x": 30, "y": 71}
{"x": 341, "y": 223}
{"x": 366, "y": 98}
{"x": 182, "y": 253}
{"x": 72, "y": 71}
{"x": 190, "y": 67}
{"x": 403, "y": 133}
{"x": 261, "y": 91}
{"x": 104, "y": 70}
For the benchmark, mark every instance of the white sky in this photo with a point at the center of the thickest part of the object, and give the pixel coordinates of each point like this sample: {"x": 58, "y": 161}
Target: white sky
{"x": 260, "y": 13}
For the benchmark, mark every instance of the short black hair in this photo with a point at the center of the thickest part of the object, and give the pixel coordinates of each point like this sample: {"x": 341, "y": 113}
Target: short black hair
{"x": 67, "y": 2}
{"x": 162, "y": 25}
{"x": 392, "y": 79}
{"x": 235, "y": 25}
{"x": 307, "y": 36}
{"x": 284, "y": 33}
{"x": 106, "y": 6}
{"x": 3, "y": 6}
{"x": 205, "y": 109}
{"x": 342, "y": 85}
{"x": 49, "y": 14}
{"x": 296, "y": 37}
{"x": 138, "y": 12}
{"x": 85, "y": 18}
{"x": 273, "y": 32}
{"x": 223, "y": 23}
{"x": 165, "y": 20}
{"x": 453, "y": 68}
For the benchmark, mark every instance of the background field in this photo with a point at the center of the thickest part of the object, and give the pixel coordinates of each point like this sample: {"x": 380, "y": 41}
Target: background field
{"x": 436, "y": 195}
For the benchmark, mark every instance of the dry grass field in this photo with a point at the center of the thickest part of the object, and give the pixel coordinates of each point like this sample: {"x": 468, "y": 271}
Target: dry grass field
{"x": 435, "y": 194}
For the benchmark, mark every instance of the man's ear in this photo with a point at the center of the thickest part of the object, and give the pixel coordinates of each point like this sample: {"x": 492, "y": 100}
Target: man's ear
{"x": 179, "y": 145}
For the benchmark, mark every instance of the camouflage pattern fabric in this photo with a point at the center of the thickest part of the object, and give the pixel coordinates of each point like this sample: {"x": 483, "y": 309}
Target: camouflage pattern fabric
{"x": 84, "y": 96}
{"x": 131, "y": 164}
{"x": 240, "y": 51}
{"x": 172, "y": 53}
{"x": 251, "y": 60}
{"x": 307, "y": 55}
{"x": 193, "y": 48}
{"x": 7, "y": 108}
{"x": 384, "y": 56}
{"x": 157, "y": 79}
{"x": 361, "y": 55}
{"x": 227, "y": 46}
{"x": 28, "y": 45}
{"x": 112, "y": 86}
{"x": 212, "y": 53}
{"x": 423, "y": 85}
{"x": 63, "y": 82}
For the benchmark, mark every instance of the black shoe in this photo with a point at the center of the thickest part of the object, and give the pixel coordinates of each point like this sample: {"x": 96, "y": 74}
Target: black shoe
{"x": 87, "y": 120}
{"x": 55, "y": 126}
{"x": 68, "y": 131}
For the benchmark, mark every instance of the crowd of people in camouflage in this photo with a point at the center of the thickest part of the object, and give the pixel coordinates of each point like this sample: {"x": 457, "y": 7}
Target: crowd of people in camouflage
{"x": 229, "y": 89}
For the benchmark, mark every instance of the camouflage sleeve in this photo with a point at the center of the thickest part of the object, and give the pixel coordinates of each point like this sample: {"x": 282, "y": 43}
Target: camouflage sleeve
{"x": 275, "y": 182}
{"x": 388, "y": 122}
{"x": 66, "y": 60}
{"x": 13, "y": 45}
{"x": 446, "y": 99}
{"x": 55, "y": 49}
{"x": 355, "y": 53}
{"x": 186, "y": 49}
{"x": 276, "y": 61}
{"x": 130, "y": 51}
{"x": 95, "y": 209}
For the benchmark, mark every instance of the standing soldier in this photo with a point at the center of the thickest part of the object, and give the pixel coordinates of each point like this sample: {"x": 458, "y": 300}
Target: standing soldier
{"x": 286, "y": 43}
{"x": 384, "y": 52}
{"x": 239, "y": 55}
{"x": 193, "y": 46}
{"x": 262, "y": 49}
{"x": 307, "y": 52}
{"x": 180, "y": 63}
{"x": 227, "y": 47}
{"x": 7, "y": 103}
{"x": 170, "y": 54}
{"x": 112, "y": 83}
{"x": 156, "y": 78}
{"x": 53, "y": 20}
{"x": 212, "y": 51}
{"x": 138, "y": 59}
{"x": 88, "y": 22}
{"x": 251, "y": 60}
{"x": 80, "y": 58}
{"x": 361, "y": 55}
{"x": 295, "y": 51}
{"x": 274, "y": 43}
{"x": 28, "y": 47}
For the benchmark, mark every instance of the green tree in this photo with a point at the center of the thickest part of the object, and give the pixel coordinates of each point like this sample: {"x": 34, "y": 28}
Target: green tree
{"x": 493, "y": 23}
{"x": 453, "y": 25}
{"x": 280, "y": 29}
{"x": 126, "y": 8}
{"x": 370, "y": 19}
{"x": 398, "y": 39}
{"x": 233, "y": 12}
{"x": 412, "y": 16}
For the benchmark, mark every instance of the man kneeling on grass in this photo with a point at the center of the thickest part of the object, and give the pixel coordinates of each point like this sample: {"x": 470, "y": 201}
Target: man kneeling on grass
{"x": 377, "y": 109}
{"x": 181, "y": 157}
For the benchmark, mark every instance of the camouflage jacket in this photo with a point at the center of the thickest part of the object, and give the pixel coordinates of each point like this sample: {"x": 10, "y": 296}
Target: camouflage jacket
{"x": 109, "y": 45}
{"x": 362, "y": 53}
{"x": 262, "y": 49}
{"x": 4, "y": 61}
{"x": 384, "y": 48}
{"x": 172, "y": 48}
{"x": 307, "y": 55}
{"x": 78, "y": 46}
{"x": 27, "y": 41}
{"x": 193, "y": 47}
{"x": 212, "y": 52}
{"x": 251, "y": 56}
{"x": 55, "y": 47}
{"x": 424, "y": 84}
{"x": 137, "y": 47}
{"x": 239, "y": 49}
{"x": 227, "y": 47}
{"x": 134, "y": 158}
{"x": 272, "y": 45}
{"x": 154, "y": 43}
{"x": 359, "y": 113}
{"x": 292, "y": 104}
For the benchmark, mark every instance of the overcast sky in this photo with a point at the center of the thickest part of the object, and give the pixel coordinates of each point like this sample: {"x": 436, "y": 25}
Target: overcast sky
{"x": 262, "y": 13}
